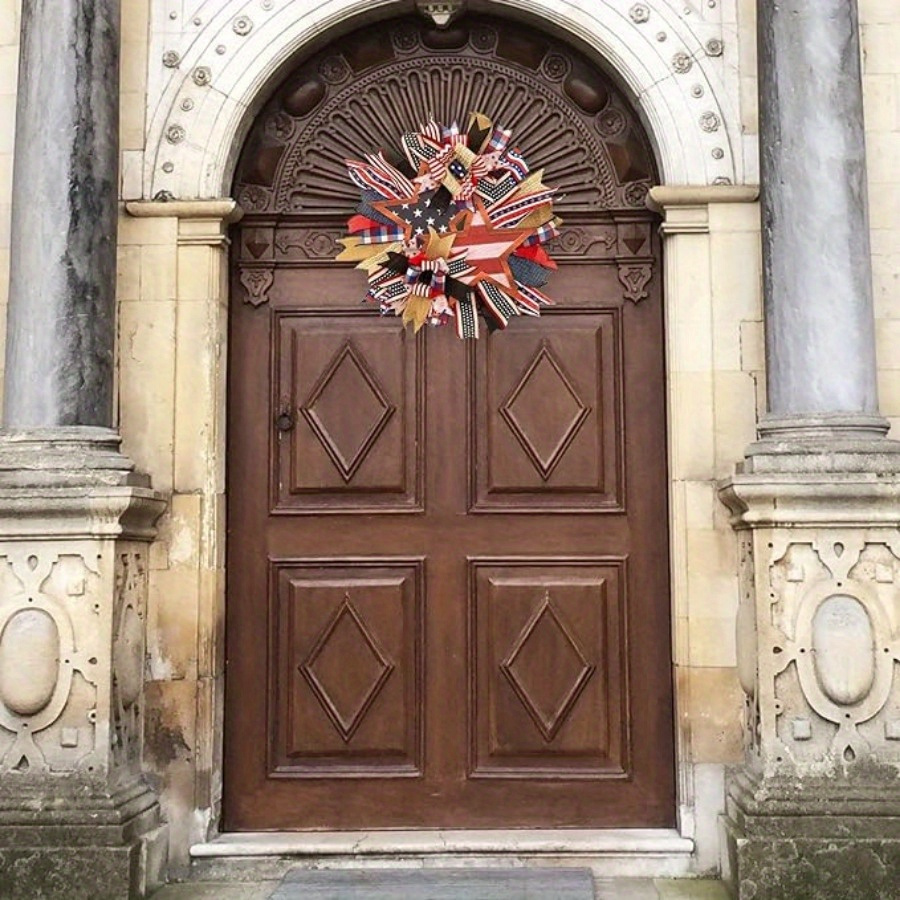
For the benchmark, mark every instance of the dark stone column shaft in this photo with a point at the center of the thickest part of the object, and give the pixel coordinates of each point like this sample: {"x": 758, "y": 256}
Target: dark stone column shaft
{"x": 61, "y": 324}
{"x": 820, "y": 343}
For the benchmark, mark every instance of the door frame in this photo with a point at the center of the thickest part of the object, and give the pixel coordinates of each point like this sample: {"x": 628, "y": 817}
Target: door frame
{"x": 699, "y": 222}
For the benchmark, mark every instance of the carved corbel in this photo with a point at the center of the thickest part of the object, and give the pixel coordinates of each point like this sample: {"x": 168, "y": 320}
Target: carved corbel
{"x": 634, "y": 256}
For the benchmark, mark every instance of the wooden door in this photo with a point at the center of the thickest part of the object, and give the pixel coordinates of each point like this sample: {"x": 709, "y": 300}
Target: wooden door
{"x": 447, "y": 561}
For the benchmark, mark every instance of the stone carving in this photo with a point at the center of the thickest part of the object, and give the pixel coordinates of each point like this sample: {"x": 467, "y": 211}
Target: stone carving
{"x": 49, "y": 646}
{"x": 128, "y": 658}
{"x": 710, "y": 122}
{"x": 642, "y": 56}
{"x": 682, "y": 62}
{"x": 639, "y": 13}
{"x": 242, "y": 25}
{"x": 202, "y": 76}
{"x": 442, "y": 14}
{"x": 171, "y": 59}
{"x": 257, "y": 281}
{"x": 826, "y": 636}
{"x": 175, "y": 134}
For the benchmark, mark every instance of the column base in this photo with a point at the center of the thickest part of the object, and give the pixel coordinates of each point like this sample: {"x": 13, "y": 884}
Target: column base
{"x": 836, "y": 839}
{"x": 94, "y": 847}
{"x": 76, "y": 455}
{"x": 839, "y": 443}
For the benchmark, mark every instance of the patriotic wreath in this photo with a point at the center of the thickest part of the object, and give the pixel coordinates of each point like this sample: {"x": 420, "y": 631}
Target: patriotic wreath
{"x": 451, "y": 230}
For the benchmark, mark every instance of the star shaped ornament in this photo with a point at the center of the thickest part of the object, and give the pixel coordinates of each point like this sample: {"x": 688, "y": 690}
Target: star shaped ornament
{"x": 459, "y": 243}
{"x": 487, "y": 248}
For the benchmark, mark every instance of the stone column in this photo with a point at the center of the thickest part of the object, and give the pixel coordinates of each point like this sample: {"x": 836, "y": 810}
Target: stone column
{"x": 77, "y": 819}
{"x": 58, "y": 392}
{"x": 820, "y": 339}
{"x": 814, "y": 811}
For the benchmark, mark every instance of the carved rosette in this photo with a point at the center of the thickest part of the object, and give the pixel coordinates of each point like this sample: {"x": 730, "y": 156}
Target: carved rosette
{"x": 818, "y": 640}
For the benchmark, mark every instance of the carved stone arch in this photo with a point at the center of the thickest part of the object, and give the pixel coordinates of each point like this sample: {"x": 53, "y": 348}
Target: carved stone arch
{"x": 208, "y": 78}
{"x": 360, "y": 93}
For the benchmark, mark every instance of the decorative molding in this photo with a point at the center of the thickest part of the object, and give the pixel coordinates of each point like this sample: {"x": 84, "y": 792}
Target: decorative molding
{"x": 242, "y": 68}
{"x": 818, "y": 624}
{"x": 257, "y": 281}
{"x": 220, "y": 208}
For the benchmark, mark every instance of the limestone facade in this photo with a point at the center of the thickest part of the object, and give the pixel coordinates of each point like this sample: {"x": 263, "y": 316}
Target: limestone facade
{"x": 194, "y": 72}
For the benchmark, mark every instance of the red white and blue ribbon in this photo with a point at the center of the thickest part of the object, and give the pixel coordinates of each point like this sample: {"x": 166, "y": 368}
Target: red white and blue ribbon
{"x": 451, "y": 231}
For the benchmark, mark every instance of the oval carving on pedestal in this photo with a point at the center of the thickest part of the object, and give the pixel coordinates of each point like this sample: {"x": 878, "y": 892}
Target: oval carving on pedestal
{"x": 843, "y": 641}
{"x": 29, "y": 661}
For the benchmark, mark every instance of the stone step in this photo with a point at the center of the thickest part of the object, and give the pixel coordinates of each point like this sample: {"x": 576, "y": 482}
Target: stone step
{"x": 602, "y": 888}
{"x": 437, "y": 884}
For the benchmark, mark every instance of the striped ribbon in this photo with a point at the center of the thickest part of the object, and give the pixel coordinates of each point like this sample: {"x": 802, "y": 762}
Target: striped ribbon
{"x": 510, "y": 212}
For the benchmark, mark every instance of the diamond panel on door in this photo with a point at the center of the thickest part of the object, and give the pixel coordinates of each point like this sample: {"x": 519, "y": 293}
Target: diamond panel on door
{"x": 347, "y": 680}
{"x": 548, "y": 668}
{"x": 547, "y": 426}
{"x": 347, "y": 393}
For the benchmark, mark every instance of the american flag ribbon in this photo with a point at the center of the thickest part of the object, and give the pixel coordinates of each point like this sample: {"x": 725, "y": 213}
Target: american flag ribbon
{"x": 535, "y": 296}
{"x": 515, "y": 162}
{"x": 379, "y": 176}
{"x": 510, "y": 212}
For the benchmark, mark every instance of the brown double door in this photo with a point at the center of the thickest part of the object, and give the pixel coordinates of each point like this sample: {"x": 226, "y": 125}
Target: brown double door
{"x": 447, "y": 563}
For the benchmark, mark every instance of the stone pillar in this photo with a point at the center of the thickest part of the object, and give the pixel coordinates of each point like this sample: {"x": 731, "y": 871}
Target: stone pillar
{"x": 77, "y": 819}
{"x": 61, "y": 326}
{"x": 814, "y": 811}
{"x": 820, "y": 340}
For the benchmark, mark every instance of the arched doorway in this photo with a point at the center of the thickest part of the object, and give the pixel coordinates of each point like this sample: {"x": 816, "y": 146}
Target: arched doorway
{"x": 447, "y": 562}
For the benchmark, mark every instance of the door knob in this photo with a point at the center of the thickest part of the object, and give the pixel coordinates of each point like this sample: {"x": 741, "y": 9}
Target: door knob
{"x": 285, "y": 421}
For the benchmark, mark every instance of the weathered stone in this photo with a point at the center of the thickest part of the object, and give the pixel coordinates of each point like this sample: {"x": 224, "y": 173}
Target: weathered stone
{"x": 816, "y": 260}
{"x": 815, "y": 809}
{"x": 836, "y": 838}
{"x": 61, "y": 330}
{"x": 72, "y": 794}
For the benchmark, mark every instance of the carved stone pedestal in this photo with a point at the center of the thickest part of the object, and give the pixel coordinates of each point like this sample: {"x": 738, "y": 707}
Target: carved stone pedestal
{"x": 815, "y": 810}
{"x": 76, "y": 818}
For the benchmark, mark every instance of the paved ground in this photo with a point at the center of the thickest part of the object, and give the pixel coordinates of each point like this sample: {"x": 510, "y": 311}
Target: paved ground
{"x": 607, "y": 889}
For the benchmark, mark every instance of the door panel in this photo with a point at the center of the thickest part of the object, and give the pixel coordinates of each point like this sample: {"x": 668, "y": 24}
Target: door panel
{"x": 549, "y": 683}
{"x": 548, "y": 425}
{"x": 356, "y": 442}
{"x": 347, "y": 646}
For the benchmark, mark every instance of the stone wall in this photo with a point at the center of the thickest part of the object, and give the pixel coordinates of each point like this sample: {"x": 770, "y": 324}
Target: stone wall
{"x": 172, "y": 357}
